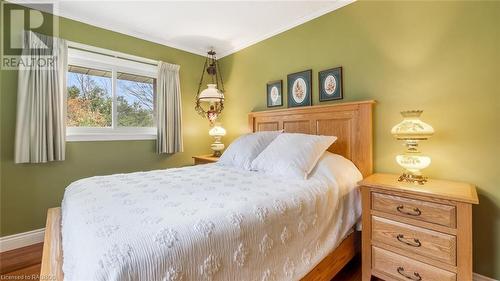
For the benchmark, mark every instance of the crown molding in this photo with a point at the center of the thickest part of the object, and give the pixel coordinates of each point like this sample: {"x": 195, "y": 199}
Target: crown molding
{"x": 107, "y": 26}
{"x": 101, "y": 23}
{"x": 338, "y": 4}
{"x": 138, "y": 35}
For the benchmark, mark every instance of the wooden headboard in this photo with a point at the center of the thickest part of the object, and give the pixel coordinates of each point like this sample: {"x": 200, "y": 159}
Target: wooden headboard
{"x": 350, "y": 122}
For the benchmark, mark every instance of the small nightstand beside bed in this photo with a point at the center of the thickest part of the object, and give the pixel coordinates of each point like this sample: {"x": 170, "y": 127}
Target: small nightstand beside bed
{"x": 417, "y": 232}
{"x": 205, "y": 159}
{"x": 271, "y": 227}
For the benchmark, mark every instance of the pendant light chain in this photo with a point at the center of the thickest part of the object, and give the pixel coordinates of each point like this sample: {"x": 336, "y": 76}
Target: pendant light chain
{"x": 221, "y": 81}
{"x": 201, "y": 79}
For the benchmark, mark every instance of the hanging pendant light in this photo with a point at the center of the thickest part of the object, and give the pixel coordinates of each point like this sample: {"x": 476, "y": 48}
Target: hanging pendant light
{"x": 210, "y": 101}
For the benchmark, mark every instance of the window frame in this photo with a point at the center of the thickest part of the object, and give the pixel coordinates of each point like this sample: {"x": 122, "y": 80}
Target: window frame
{"x": 111, "y": 62}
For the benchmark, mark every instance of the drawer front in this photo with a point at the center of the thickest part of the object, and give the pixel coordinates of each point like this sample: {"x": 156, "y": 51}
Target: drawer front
{"x": 416, "y": 209}
{"x": 425, "y": 242}
{"x": 403, "y": 268}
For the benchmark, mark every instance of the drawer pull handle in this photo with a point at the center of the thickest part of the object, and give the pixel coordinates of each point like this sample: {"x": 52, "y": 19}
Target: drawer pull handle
{"x": 416, "y": 243}
{"x": 415, "y": 277}
{"x": 416, "y": 211}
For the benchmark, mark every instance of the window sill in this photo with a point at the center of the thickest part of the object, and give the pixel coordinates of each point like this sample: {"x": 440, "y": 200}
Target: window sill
{"x": 109, "y": 134}
{"x": 108, "y": 137}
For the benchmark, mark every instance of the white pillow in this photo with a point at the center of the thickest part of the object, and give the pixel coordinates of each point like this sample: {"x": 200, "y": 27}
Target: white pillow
{"x": 337, "y": 168}
{"x": 292, "y": 155}
{"x": 244, "y": 149}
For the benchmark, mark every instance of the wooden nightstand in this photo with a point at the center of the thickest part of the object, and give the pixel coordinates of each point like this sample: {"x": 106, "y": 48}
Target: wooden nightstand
{"x": 417, "y": 232}
{"x": 205, "y": 159}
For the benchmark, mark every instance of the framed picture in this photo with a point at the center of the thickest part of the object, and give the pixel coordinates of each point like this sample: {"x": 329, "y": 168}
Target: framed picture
{"x": 299, "y": 88}
{"x": 330, "y": 84}
{"x": 274, "y": 93}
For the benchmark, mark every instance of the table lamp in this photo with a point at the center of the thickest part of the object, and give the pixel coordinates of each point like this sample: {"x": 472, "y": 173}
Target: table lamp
{"x": 412, "y": 130}
{"x": 217, "y": 132}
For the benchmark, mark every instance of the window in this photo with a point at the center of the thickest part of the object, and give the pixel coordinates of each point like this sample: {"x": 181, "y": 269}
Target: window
{"x": 135, "y": 96}
{"x": 89, "y": 97}
{"x": 109, "y": 98}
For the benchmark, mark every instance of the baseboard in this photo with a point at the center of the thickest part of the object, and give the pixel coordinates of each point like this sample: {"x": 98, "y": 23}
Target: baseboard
{"x": 20, "y": 240}
{"x": 479, "y": 277}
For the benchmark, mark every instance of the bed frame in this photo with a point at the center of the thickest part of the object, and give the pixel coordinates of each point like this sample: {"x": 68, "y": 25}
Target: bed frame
{"x": 350, "y": 122}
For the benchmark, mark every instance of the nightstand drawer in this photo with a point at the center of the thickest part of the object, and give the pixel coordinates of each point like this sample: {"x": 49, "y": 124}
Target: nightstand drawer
{"x": 416, "y": 209}
{"x": 403, "y": 268}
{"x": 421, "y": 241}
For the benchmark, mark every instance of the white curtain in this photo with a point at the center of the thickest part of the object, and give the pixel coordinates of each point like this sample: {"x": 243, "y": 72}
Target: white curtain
{"x": 40, "y": 123}
{"x": 168, "y": 109}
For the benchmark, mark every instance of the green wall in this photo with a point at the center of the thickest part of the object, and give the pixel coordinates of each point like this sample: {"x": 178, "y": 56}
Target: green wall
{"x": 27, "y": 190}
{"x": 441, "y": 57}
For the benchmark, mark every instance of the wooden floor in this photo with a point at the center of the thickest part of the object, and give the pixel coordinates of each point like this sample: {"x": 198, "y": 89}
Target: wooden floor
{"x": 30, "y": 258}
{"x": 21, "y": 262}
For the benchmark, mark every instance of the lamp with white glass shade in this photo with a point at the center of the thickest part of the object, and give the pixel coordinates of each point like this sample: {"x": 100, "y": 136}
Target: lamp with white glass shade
{"x": 217, "y": 132}
{"x": 210, "y": 101}
{"x": 412, "y": 130}
{"x": 211, "y": 94}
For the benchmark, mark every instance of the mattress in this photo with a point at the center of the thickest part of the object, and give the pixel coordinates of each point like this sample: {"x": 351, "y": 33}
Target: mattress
{"x": 205, "y": 222}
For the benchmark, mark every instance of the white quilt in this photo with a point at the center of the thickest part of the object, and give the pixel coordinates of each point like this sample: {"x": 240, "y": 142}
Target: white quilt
{"x": 205, "y": 222}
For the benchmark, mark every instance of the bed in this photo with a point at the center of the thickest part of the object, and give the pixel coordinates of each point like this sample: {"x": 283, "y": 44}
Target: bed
{"x": 227, "y": 224}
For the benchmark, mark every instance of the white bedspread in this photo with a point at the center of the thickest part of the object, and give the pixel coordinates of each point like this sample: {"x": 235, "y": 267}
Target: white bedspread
{"x": 204, "y": 222}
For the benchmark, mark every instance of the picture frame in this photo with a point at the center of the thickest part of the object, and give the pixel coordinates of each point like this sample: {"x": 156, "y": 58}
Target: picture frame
{"x": 299, "y": 88}
{"x": 274, "y": 93}
{"x": 330, "y": 84}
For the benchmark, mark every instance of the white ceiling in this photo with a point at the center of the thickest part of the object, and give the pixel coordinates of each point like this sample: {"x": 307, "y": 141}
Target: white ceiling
{"x": 195, "y": 26}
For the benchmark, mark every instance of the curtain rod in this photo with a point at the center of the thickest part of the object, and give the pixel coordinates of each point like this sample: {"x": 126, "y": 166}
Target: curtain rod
{"x": 110, "y": 53}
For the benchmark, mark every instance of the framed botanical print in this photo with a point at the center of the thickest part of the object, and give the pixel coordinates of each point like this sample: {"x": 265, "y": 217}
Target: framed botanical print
{"x": 330, "y": 84}
{"x": 274, "y": 93}
{"x": 299, "y": 88}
